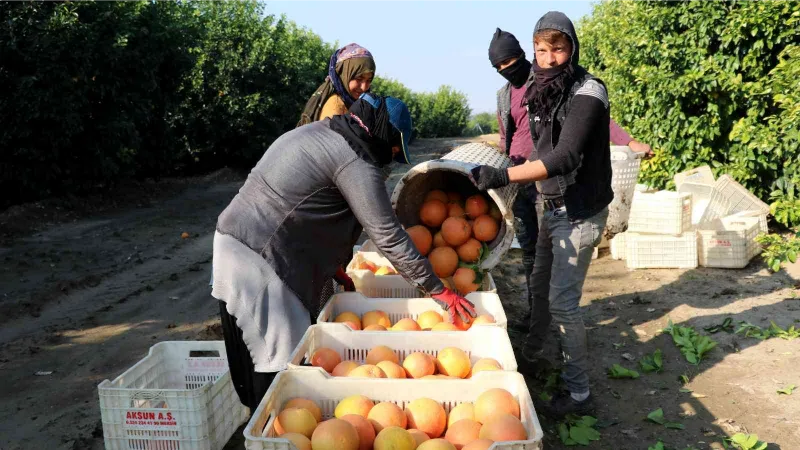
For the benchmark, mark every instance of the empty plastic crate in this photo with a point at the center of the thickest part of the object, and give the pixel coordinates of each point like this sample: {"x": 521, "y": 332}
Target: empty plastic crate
{"x": 662, "y": 212}
{"x": 400, "y": 308}
{"x": 618, "y": 247}
{"x": 482, "y": 342}
{"x": 698, "y": 175}
{"x": 644, "y": 251}
{"x": 729, "y": 197}
{"x": 179, "y": 397}
{"x": 729, "y": 242}
{"x": 701, "y": 195}
{"x": 327, "y": 392}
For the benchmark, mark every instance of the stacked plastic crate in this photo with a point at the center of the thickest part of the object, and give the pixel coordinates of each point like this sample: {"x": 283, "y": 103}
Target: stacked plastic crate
{"x": 707, "y": 222}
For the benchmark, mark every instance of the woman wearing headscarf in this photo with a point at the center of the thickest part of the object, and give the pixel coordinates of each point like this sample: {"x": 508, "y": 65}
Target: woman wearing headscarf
{"x": 350, "y": 73}
{"x": 294, "y": 222}
{"x": 568, "y": 113}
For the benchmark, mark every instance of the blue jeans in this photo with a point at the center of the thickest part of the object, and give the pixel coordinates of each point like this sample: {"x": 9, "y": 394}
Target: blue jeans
{"x": 563, "y": 253}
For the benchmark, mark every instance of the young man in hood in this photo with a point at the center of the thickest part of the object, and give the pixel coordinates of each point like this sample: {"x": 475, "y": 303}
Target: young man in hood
{"x": 568, "y": 113}
{"x": 507, "y": 56}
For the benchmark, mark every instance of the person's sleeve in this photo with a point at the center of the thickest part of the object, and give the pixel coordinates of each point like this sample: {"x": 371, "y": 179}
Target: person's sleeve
{"x": 617, "y": 134}
{"x": 588, "y": 108}
{"x": 334, "y": 106}
{"x": 365, "y": 192}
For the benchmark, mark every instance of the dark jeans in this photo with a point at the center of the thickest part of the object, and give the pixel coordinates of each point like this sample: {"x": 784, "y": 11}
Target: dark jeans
{"x": 249, "y": 384}
{"x": 563, "y": 253}
{"x": 526, "y": 228}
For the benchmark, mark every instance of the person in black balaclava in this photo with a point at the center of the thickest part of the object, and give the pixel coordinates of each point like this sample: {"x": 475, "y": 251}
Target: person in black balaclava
{"x": 507, "y": 56}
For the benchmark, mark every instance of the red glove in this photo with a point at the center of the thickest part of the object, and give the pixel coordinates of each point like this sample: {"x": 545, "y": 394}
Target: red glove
{"x": 344, "y": 279}
{"x": 454, "y": 303}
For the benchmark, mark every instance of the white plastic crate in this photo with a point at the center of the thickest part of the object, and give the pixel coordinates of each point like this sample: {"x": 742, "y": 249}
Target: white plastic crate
{"x": 701, "y": 195}
{"x": 327, "y": 392}
{"x": 390, "y": 286}
{"x": 762, "y": 219}
{"x": 625, "y": 165}
{"x": 400, "y": 308}
{"x": 698, "y": 175}
{"x": 729, "y": 197}
{"x": 661, "y": 251}
{"x": 618, "y": 247}
{"x": 663, "y": 212}
{"x": 172, "y": 400}
{"x": 728, "y": 242}
{"x": 483, "y": 342}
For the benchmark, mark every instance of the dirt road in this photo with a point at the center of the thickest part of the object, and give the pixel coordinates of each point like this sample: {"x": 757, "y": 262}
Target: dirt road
{"x": 85, "y": 293}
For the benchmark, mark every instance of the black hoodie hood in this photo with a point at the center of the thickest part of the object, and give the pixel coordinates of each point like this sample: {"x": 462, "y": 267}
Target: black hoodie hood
{"x": 557, "y": 20}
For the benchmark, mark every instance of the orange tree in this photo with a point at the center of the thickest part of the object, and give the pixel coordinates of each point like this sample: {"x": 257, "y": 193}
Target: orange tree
{"x": 714, "y": 83}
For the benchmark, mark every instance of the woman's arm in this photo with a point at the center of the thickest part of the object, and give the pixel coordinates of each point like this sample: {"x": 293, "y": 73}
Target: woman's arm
{"x": 363, "y": 187}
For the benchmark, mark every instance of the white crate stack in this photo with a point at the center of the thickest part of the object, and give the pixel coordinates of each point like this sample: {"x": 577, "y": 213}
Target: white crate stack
{"x": 707, "y": 222}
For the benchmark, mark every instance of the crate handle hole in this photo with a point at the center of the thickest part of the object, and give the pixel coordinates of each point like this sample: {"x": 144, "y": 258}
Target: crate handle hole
{"x": 204, "y": 354}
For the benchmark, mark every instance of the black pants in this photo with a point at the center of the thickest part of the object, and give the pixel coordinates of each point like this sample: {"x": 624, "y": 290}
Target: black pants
{"x": 249, "y": 384}
{"x": 526, "y": 227}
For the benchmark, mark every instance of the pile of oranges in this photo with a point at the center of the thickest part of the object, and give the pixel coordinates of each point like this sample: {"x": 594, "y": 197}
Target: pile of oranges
{"x": 454, "y": 231}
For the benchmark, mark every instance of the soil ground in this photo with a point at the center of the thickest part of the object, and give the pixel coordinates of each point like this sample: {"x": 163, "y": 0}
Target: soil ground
{"x": 88, "y": 285}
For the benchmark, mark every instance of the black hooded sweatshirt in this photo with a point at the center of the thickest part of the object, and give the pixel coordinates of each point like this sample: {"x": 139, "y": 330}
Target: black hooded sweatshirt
{"x": 573, "y": 143}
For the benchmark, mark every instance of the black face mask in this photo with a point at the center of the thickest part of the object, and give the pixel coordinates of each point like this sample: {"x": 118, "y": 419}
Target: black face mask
{"x": 517, "y": 73}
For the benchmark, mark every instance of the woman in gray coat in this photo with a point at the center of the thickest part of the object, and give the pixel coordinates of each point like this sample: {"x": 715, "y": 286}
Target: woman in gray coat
{"x": 294, "y": 223}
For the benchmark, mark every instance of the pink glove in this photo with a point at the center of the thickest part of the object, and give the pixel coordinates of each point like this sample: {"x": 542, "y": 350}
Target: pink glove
{"x": 454, "y": 303}
{"x": 344, "y": 279}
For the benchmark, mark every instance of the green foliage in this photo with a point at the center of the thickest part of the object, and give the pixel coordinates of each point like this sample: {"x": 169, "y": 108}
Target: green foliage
{"x": 657, "y": 416}
{"x": 482, "y": 123}
{"x": 706, "y": 83}
{"x": 744, "y": 441}
{"x": 578, "y": 430}
{"x": 443, "y": 113}
{"x": 97, "y": 91}
{"x": 652, "y": 363}
{"x": 754, "y": 331}
{"x": 779, "y": 249}
{"x": 618, "y": 372}
{"x": 691, "y": 344}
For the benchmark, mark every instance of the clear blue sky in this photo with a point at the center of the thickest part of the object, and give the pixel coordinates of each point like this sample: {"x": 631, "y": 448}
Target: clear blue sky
{"x": 427, "y": 44}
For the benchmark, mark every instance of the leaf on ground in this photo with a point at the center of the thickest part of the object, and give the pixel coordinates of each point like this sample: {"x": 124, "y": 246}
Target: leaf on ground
{"x": 787, "y": 390}
{"x": 657, "y": 416}
{"x": 617, "y": 372}
{"x": 652, "y": 363}
{"x": 674, "y": 425}
{"x": 659, "y": 446}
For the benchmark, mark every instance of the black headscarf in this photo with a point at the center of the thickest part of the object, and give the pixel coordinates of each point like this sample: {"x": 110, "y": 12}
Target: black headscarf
{"x": 550, "y": 83}
{"x": 368, "y": 131}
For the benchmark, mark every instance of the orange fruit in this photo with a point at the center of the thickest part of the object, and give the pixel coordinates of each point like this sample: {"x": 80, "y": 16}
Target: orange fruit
{"x": 427, "y": 416}
{"x": 386, "y": 414}
{"x": 444, "y": 261}
{"x": 494, "y": 402}
{"x": 375, "y": 317}
{"x": 455, "y": 231}
{"x": 344, "y": 368}
{"x": 304, "y": 403}
{"x": 326, "y": 358}
{"x": 463, "y": 432}
{"x": 504, "y": 427}
{"x": 477, "y": 206}
{"x": 485, "y": 228}
{"x": 436, "y": 195}
{"x": 421, "y": 237}
{"x": 381, "y": 353}
{"x": 335, "y": 434}
{"x": 469, "y": 251}
{"x": 464, "y": 279}
{"x": 453, "y": 361}
{"x": 433, "y": 213}
{"x": 418, "y": 364}
{"x": 365, "y": 430}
